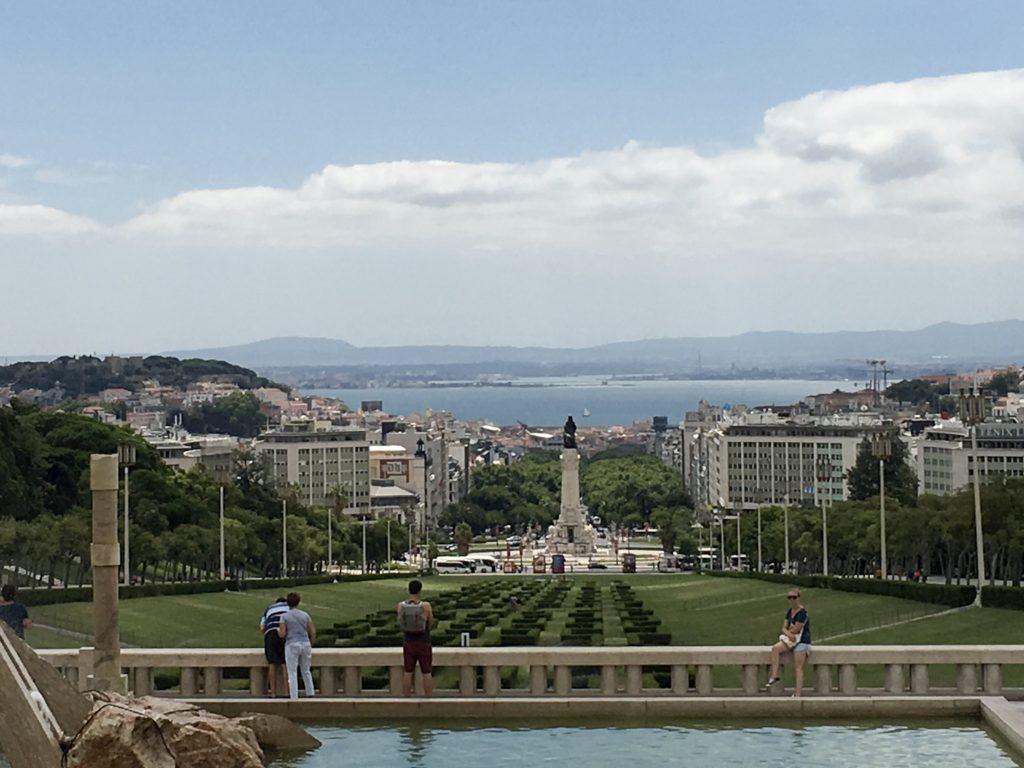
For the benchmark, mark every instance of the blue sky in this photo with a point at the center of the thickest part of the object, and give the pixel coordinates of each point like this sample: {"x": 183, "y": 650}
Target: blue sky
{"x": 112, "y": 109}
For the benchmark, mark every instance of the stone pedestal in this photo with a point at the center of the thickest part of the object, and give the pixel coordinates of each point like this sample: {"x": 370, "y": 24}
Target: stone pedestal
{"x": 571, "y": 534}
{"x": 106, "y": 557}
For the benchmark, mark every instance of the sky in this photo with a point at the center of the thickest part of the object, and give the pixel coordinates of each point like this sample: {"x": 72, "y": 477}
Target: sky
{"x": 192, "y": 174}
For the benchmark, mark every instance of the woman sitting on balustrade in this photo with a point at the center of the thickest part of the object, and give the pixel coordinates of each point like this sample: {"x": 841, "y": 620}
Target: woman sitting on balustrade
{"x": 795, "y": 639}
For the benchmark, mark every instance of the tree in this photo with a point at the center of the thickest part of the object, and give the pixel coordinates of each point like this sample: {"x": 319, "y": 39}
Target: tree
{"x": 463, "y": 537}
{"x": 900, "y": 479}
{"x": 236, "y": 414}
{"x": 671, "y": 524}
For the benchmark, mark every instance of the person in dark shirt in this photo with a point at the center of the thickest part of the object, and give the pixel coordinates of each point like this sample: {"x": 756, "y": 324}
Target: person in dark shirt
{"x": 14, "y": 614}
{"x": 795, "y": 639}
{"x": 414, "y": 619}
{"x": 273, "y": 645}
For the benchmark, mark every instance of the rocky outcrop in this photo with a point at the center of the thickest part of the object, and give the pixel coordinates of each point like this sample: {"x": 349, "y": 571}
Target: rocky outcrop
{"x": 148, "y": 732}
{"x": 278, "y": 734}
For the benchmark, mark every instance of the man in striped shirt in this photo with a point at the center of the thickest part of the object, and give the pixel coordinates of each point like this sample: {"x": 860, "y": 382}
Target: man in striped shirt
{"x": 273, "y": 644}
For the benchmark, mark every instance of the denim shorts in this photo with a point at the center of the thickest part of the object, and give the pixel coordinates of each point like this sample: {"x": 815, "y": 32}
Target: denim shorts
{"x": 802, "y": 648}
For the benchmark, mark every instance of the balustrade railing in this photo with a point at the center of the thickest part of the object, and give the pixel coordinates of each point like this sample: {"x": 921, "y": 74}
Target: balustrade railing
{"x": 572, "y": 671}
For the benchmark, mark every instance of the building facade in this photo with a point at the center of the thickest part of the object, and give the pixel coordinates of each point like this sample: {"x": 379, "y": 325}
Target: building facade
{"x": 752, "y": 465}
{"x": 317, "y": 458}
{"x": 945, "y": 459}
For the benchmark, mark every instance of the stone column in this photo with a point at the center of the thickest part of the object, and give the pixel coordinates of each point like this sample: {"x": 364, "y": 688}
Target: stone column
{"x": 570, "y": 506}
{"x": 106, "y": 557}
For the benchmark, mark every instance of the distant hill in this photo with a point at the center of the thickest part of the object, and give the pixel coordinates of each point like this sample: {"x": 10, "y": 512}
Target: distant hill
{"x": 965, "y": 344}
{"x": 87, "y": 375}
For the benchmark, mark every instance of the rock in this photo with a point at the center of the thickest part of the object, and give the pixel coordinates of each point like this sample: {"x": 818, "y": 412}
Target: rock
{"x": 148, "y": 732}
{"x": 274, "y": 732}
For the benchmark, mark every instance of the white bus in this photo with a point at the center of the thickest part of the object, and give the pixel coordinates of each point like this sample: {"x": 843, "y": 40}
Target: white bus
{"x": 485, "y": 563}
{"x": 739, "y": 563}
{"x": 454, "y": 565}
{"x": 709, "y": 559}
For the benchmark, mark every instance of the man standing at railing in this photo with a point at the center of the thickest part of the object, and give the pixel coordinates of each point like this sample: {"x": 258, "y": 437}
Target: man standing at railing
{"x": 14, "y": 614}
{"x": 273, "y": 644}
{"x": 414, "y": 619}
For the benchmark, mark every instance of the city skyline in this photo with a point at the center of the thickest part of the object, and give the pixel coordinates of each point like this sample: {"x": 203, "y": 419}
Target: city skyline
{"x": 630, "y": 174}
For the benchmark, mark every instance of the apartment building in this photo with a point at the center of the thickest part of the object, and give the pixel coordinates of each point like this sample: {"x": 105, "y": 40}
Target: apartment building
{"x": 317, "y": 457}
{"x": 750, "y": 465}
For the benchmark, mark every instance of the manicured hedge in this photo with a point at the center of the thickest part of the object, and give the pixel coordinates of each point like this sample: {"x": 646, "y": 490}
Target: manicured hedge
{"x": 1003, "y": 597}
{"x": 952, "y": 595}
{"x": 39, "y": 596}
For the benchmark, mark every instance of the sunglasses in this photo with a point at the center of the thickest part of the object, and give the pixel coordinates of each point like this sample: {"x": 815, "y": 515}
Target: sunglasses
{"x": 792, "y": 597}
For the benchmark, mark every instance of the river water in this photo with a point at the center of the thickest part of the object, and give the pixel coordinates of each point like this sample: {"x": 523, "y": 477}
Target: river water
{"x": 546, "y": 402}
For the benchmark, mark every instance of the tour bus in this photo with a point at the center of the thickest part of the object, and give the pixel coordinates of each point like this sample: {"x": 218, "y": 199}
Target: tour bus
{"x": 485, "y": 563}
{"x": 454, "y": 565}
{"x": 708, "y": 559}
{"x": 739, "y": 563}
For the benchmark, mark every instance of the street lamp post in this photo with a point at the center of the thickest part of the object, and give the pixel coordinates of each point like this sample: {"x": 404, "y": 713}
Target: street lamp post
{"x": 126, "y": 457}
{"x": 972, "y": 413}
{"x": 330, "y": 538}
{"x": 881, "y": 449}
{"x": 284, "y": 535}
{"x": 223, "y": 569}
{"x": 824, "y": 473}
{"x": 721, "y": 542}
{"x": 760, "y": 559}
{"x": 363, "y": 518}
{"x": 739, "y": 552}
{"x": 785, "y": 523}
{"x": 389, "y": 543}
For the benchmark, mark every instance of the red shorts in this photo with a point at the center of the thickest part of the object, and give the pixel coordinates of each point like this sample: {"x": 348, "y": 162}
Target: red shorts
{"x": 420, "y": 651}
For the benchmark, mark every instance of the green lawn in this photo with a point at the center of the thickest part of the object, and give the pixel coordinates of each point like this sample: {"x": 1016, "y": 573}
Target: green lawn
{"x": 222, "y": 620}
{"x": 697, "y": 610}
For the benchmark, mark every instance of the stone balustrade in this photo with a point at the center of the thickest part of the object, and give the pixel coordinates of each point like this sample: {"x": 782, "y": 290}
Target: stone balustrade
{"x": 679, "y": 671}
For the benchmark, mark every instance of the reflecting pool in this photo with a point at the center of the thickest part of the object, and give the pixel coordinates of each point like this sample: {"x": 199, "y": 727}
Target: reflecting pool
{"x": 808, "y": 746}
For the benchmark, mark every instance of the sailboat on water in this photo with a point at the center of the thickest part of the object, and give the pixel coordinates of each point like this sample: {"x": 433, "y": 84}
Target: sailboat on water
{"x": 586, "y": 412}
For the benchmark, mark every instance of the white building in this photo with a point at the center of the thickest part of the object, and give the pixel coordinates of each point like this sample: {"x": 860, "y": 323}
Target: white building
{"x": 750, "y": 465}
{"x": 318, "y": 457}
{"x": 945, "y": 461}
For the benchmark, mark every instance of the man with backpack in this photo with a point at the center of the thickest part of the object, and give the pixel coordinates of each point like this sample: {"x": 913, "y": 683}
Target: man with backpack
{"x": 414, "y": 619}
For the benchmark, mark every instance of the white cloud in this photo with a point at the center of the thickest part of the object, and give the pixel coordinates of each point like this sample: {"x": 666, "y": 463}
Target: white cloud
{"x": 925, "y": 168}
{"x": 41, "y": 220}
{"x": 14, "y": 161}
{"x": 868, "y": 168}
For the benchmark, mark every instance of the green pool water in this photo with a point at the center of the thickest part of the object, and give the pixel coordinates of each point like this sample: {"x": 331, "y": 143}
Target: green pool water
{"x": 806, "y": 746}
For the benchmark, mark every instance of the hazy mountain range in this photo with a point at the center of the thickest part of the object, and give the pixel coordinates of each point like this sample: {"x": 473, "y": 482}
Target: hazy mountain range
{"x": 939, "y": 346}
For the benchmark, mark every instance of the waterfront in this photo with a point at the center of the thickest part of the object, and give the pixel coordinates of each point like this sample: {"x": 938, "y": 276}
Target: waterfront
{"x": 809, "y": 746}
{"x": 547, "y": 402}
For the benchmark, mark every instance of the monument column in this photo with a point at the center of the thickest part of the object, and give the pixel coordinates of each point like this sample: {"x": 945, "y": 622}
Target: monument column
{"x": 570, "y": 479}
{"x": 106, "y": 557}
